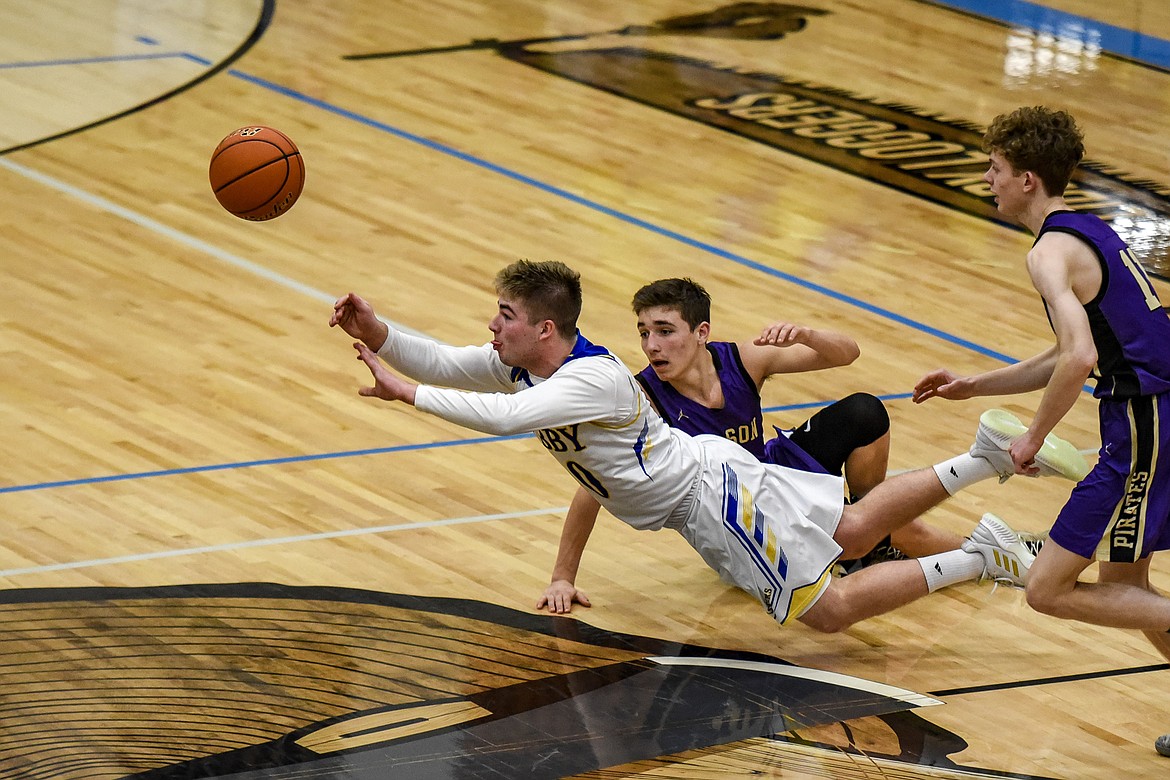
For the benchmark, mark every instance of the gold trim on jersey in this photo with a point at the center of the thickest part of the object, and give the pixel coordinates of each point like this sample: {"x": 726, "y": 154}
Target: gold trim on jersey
{"x": 805, "y": 596}
{"x": 639, "y": 396}
{"x": 1129, "y": 516}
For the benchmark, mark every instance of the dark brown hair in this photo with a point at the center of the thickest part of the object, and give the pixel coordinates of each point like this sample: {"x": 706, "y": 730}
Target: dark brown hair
{"x": 685, "y": 296}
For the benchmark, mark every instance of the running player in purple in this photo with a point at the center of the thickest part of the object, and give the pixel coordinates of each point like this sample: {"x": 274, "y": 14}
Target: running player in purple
{"x": 1109, "y": 326}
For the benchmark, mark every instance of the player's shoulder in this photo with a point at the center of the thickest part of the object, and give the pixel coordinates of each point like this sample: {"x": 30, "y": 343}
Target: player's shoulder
{"x": 1060, "y": 247}
{"x": 599, "y": 364}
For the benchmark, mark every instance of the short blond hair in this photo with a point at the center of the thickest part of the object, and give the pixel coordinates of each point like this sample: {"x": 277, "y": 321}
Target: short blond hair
{"x": 549, "y": 291}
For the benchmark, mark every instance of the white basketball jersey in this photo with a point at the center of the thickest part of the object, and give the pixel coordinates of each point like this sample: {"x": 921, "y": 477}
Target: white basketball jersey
{"x": 767, "y": 529}
{"x": 597, "y": 422}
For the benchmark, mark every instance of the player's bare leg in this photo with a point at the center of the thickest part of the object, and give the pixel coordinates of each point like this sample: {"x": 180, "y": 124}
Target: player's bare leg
{"x": 871, "y": 591}
{"x": 1121, "y": 598}
{"x": 866, "y": 467}
{"x": 889, "y": 506}
{"x": 918, "y": 538}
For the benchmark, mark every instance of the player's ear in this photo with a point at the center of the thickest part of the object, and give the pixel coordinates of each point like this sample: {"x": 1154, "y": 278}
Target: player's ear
{"x": 703, "y": 332}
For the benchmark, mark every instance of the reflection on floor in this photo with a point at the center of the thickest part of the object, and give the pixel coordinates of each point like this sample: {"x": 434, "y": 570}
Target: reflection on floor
{"x": 269, "y": 681}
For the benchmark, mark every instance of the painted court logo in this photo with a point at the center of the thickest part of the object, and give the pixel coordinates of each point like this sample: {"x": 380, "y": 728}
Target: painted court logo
{"x": 257, "y": 681}
{"x": 904, "y": 147}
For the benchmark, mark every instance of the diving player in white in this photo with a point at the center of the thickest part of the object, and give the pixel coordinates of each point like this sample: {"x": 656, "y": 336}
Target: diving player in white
{"x": 772, "y": 531}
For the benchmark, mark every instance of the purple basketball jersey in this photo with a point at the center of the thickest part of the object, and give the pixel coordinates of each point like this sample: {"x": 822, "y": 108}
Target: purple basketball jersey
{"x": 740, "y": 419}
{"x": 1131, "y": 330}
{"x": 1121, "y": 511}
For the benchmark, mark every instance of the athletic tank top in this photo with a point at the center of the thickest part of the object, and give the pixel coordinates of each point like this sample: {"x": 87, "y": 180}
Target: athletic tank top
{"x": 1130, "y": 328}
{"x": 740, "y": 419}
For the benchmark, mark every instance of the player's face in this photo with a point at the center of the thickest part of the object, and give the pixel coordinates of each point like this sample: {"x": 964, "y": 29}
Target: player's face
{"x": 1006, "y": 185}
{"x": 516, "y": 339}
{"x": 668, "y": 342}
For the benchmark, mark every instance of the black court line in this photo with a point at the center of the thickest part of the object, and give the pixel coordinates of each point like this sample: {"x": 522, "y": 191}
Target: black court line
{"x": 1050, "y": 680}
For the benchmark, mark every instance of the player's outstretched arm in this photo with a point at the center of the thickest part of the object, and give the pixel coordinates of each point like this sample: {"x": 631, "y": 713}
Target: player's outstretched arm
{"x": 1023, "y": 377}
{"x": 356, "y": 317}
{"x": 942, "y": 383}
{"x": 561, "y": 593}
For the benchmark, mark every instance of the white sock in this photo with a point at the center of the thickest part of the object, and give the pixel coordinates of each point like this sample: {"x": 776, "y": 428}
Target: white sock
{"x": 963, "y": 471}
{"x": 950, "y": 567}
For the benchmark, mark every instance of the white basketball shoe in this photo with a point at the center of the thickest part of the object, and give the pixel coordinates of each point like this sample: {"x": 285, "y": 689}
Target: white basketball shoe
{"x": 1005, "y": 557}
{"x": 999, "y": 428}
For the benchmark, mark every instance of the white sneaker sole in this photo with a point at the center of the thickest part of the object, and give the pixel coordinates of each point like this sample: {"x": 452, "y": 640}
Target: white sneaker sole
{"x": 1056, "y": 457}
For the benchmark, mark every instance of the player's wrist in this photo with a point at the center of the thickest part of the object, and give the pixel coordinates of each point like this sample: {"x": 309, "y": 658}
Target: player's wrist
{"x": 379, "y": 339}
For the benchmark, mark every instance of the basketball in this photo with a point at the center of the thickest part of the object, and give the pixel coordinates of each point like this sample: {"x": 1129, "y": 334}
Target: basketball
{"x": 257, "y": 173}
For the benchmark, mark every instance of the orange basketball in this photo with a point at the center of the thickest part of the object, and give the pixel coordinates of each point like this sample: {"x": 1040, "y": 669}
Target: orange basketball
{"x": 257, "y": 173}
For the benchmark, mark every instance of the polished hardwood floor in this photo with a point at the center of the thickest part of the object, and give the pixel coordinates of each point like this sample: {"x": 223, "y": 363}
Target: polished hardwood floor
{"x": 176, "y": 412}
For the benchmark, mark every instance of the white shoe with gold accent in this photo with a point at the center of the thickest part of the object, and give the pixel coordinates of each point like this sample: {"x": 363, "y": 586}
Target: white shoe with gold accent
{"x": 1005, "y": 557}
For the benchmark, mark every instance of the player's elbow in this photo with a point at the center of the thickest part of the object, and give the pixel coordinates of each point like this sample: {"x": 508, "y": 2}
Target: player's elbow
{"x": 851, "y": 353}
{"x": 503, "y": 427}
{"x": 841, "y": 355}
{"x": 1084, "y": 359}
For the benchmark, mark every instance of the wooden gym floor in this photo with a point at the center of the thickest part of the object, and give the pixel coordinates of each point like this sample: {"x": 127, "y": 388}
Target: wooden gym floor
{"x": 219, "y": 561}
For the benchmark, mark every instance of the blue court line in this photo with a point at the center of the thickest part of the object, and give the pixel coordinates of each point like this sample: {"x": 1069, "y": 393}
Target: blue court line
{"x": 619, "y": 215}
{"x": 819, "y": 404}
{"x": 253, "y": 463}
{"x": 1114, "y": 40}
{"x": 332, "y": 455}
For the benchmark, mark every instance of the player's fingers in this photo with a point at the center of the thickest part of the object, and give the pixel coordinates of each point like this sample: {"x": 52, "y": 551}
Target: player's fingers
{"x": 583, "y": 599}
{"x": 365, "y": 354}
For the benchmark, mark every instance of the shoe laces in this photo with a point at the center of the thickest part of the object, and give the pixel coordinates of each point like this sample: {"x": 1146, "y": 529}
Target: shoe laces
{"x": 1032, "y": 543}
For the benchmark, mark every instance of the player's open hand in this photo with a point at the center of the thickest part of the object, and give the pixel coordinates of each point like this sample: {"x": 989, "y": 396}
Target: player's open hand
{"x": 387, "y": 385}
{"x": 942, "y": 383}
{"x": 356, "y": 317}
{"x": 560, "y": 596}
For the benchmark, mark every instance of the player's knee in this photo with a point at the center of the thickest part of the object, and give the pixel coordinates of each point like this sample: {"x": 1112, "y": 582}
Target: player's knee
{"x": 1043, "y": 598}
{"x": 866, "y": 416}
{"x": 852, "y": 533}
{"x": 828, "y": 616}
